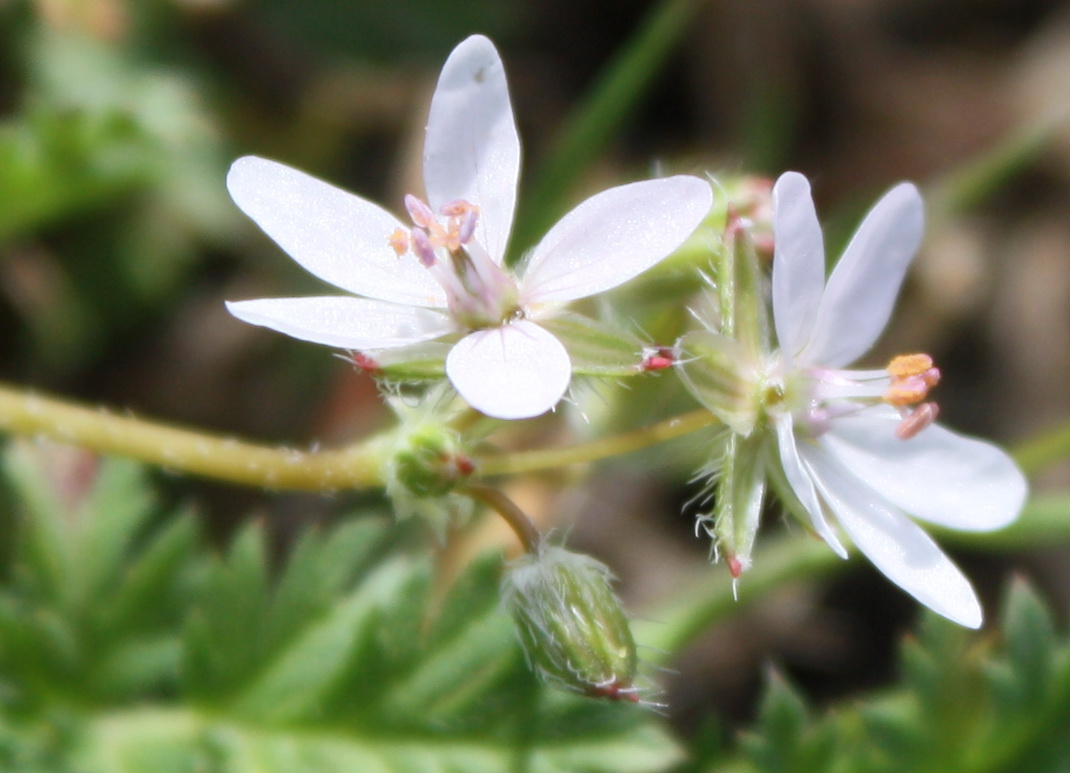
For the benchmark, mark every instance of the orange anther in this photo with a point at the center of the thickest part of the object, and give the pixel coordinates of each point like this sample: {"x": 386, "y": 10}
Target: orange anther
{"x": 458, "y": 208}
{"x": 906, "y": 393}
{"x": 907, "y": 365}
{"x": 399, "y": 241}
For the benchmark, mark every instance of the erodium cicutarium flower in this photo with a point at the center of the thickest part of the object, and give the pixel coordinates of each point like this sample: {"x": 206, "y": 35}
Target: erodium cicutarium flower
{"x": 853, "y": 448}
{"x": 441, "y": 274}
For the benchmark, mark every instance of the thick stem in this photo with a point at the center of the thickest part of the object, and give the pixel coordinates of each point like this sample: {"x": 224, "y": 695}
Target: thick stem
{"x": 517, "y": 519}
{"x": 189, "y": 451}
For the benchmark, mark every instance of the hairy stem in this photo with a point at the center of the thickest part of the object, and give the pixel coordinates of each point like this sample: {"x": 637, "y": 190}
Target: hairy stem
{"x": 189, "y": 451}
{"x": 224, "y": 458}
{"x": 546, "y": 459}
{"x": 505, "y": 507}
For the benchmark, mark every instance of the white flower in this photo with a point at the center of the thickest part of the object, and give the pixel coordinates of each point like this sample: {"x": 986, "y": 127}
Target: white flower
{"x": 859, "y": 447}
{"x": 443, "y": 275}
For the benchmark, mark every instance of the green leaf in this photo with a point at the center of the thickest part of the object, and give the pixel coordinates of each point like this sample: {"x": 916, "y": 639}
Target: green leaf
{"x": 343, "y": 655}
{"x": 94, "y": 598}
{"x": 1030, "y": 642}
{"x": 365, "y": 685}
{"x": 964, "y": 703}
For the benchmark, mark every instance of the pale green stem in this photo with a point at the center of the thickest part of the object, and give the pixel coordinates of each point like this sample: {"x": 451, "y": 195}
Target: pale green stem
{"x": 187, "y": 451}
{"x": 603, "y": 448}
{"x": 224, "y": 458}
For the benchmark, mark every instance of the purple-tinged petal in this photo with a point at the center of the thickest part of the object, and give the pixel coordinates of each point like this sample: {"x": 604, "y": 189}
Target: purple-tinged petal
{"x": 801, "y": 485}
{"x": 798, "y": 262}
{"x": 940, "y": 476}
{"x": 472, "y": 150}
{"x": 511, "y": 372}
{"x": 339, "y": 237}
{"x": 861, "y": 292}
{"x": 348, "y": 323}
{"x": 614, "y": 236}
{"x": 896, "y": 545}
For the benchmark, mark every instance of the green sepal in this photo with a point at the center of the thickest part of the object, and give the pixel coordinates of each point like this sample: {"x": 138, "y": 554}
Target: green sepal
{"x": 740, "y": 495}
{"x": 718, "y": 372}
{"x": 740, "y": 292}
{"x": 596, "y": 348}
{"x": 419, "y": 362}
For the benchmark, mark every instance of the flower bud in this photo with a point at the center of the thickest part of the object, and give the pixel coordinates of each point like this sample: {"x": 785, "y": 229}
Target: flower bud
{"x": 571, "y": 624}
{"x": 429, "y": 462}
{"x": 752, "y": 199}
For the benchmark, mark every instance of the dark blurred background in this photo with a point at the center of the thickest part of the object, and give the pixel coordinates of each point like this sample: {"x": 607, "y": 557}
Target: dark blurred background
{"x": 118, "y": 244}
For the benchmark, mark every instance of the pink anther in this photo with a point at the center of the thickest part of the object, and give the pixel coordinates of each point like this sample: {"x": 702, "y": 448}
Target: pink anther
{"x": 421, "y": 214}
{"x": 917, "y": 420}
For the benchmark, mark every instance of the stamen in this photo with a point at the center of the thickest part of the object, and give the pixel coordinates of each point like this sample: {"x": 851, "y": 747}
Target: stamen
{"x": 399, "y": 241}
{"x": 468, "y": 224}
{"x": 912, "y": 376}
{"x": 917, "y": 420}
{"x": 458, "y": 208}
{"x": 907, "y": 392}
{"x": 421, "y": 214}
{"x": 422, "y": 247}
{"x": 452, "y": 238}
{"x": 906, "y": 365}
{"x": 461, "y": 225}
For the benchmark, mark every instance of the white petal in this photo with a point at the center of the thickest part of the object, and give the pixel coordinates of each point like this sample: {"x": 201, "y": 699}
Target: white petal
{"x": 945, "y": 478}
{"x": 614, "y": 236}
{"x": 863, "y": 287}
{"x": 894, "y": 543}
{"x": 348, "y": 323}
{"x": 512, "y": 372}
{"x": 339, "y": 237}
{"x": 472, "y": 150}
{"x": 799, "y": 480}
{"x": 798, "y": 262}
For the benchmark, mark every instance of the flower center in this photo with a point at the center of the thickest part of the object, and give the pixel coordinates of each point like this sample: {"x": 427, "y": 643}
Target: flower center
{"x": 479, "y": 293}
{"x": 827, "y": 394}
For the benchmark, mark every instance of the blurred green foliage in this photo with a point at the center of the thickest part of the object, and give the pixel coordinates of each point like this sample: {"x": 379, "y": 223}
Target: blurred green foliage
{"x": 126, "y": 644}
{"x": 109, "y": 173}
{"x": 998, "y": 704}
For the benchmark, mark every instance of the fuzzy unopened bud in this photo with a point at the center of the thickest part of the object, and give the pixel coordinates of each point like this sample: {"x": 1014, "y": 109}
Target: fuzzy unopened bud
{"x": 571, "y": 624}
{"x": 429, "y": 461}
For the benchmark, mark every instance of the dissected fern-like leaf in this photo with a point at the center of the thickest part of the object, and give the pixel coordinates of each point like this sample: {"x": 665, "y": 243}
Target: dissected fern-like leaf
{"x": 127, "y": 645}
